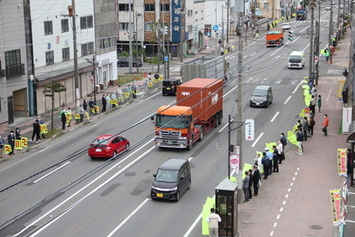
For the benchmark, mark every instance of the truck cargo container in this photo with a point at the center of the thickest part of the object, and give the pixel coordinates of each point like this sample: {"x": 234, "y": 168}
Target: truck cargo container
{"x": 274, "y": 37}
{"x": 301, "y": 14}
{"x": 199, "y": 108}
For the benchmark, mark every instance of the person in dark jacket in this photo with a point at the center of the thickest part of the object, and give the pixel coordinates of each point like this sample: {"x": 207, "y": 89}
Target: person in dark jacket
{"x": 250, "y": 182}
{"x": 11, "y": 140}
{"x": 85, "y": 105}
{"x": 36, "y": 131}
{"x": 104, "y": 102}
{"x": 18, "y": 134}
{"x": 246, "y": 186}
{"x": 256, "y": 179}
{"x": 63, "y": 118}
{"x": 265, "y": 162}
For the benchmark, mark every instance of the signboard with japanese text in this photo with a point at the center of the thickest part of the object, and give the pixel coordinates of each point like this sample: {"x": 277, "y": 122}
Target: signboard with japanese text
{"x": 335, "y": 200}
{"x": 342, "y": 161}
{"x": 176, "y": 20}
{"x": 249, "y": 129}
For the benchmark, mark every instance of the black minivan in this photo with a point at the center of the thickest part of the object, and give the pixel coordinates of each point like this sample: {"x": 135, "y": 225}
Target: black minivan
{"x": 172, "y": 179}
{"x": 170, "y": 86}
{"x": 262, "y": 96}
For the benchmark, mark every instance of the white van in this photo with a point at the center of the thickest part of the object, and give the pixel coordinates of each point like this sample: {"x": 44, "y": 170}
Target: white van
{"x": 296, "y": 59}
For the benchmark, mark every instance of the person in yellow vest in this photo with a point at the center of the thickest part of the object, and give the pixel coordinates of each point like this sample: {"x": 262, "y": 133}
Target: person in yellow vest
{"x": 69, "y": 115}
{"x": 2, "y": 145}
{"x": 40, "y": 121}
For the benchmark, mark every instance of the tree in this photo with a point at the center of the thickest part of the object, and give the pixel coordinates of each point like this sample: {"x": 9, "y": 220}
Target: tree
{"x": 49, "y": 90}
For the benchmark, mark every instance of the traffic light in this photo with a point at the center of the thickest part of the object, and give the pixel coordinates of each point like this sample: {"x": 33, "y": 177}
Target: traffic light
{"x": 165, "y": 30}
{"x": 290, "y": 36}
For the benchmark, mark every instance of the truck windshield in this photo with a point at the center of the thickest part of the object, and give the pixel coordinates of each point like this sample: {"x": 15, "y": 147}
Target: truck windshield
{"x": 171, "y": 121}
{"x": 295, "y": 59}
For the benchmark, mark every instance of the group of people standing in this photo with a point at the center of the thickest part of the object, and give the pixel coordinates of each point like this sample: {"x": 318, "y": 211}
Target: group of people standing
{"x": 270, "y": 161}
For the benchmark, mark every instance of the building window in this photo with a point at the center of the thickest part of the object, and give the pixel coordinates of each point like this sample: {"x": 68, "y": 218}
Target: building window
{"x": 149, "y": 7}
{"x": 123, "y": 26}
{"x": 87, "y": 49}
{"x": 266, "y": 6}
{"x": 148, "y": 26}
{"x": 86, "y": 22}
{"x": 107, "y": 43}
{"x": 13, "y": 63}
{"x": 257, "y": 5}
{"x": 65, "y": 54}
{"x": 65, "y": 25}
{"x": 124, "y": 7}
{"x": 48, "y": 28}
{"x": 164, "y": 7}
{"x": 49, "y": 57}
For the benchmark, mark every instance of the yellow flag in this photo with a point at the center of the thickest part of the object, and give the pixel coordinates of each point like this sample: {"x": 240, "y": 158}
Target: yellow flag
{"x": 24, "y": 141}
{"x": 18, "y": 144}
{"x": 7, "y": 148}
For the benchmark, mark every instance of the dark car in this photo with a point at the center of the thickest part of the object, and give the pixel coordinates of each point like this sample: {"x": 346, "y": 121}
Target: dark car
{"x": 172, "y": 179}
{"x": 107, "y": 146}
{"x": 123, "y": 62}
{"x": 261, "y": 97}
{"x": 170, "y": 86}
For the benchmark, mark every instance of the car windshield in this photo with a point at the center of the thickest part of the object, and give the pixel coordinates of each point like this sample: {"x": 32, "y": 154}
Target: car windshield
{"x": 295, "y": 59}
{"x": 171, "y": 121}
{"x": 167, "y": 176}
{"x": 259, "y": 92}
{"x": 101, "y": 141}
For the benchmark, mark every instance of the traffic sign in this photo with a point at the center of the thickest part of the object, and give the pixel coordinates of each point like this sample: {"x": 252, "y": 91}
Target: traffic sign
{"x": 215, "y": 27}
{"x": 166, "y": 58}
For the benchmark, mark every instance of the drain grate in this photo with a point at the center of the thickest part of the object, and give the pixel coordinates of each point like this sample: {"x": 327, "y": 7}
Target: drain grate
{"x": 316, "y": 227}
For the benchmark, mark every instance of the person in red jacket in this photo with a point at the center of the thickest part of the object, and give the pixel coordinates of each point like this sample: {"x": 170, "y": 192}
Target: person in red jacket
{"x": 325, "y": 125}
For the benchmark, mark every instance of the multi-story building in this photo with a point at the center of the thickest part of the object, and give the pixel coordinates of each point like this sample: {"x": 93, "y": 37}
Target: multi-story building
{"x": 37, "y": 47}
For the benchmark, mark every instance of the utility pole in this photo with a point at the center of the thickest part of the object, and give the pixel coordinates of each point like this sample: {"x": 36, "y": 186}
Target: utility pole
{"x": 317, "y": 45}
{"x": 94, "y": 77}
{"x": 239, "y": 116}
{"x": 228, "y": 24}
{"x": 222, "y": 26}
{"x": 136, "y": 37}
{"x": 215, "y": 40}
{"x": 182, "y": 31}
{"x": 311, "y": 44}
{"x": 130, "y": 36}
{"x": 330, "y": 26}
{"x": 76, "y": 73}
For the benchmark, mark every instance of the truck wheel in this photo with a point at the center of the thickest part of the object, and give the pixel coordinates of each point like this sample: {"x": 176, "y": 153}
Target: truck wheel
{"x": 189, "y": 147}
{"x": 216, "y": 117}
{"x": 201, "y": 135}
{"x": 219, "y": 118}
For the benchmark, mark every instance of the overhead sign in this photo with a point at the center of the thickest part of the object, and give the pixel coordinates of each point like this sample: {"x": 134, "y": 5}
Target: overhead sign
{"x": 215, "y": 27}
{"x": 249, "y": 129}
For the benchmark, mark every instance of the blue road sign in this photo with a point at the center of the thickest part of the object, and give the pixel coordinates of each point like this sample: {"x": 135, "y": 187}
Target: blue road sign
{"x": 215, "y": 27}
{"x": 166, "y": 58}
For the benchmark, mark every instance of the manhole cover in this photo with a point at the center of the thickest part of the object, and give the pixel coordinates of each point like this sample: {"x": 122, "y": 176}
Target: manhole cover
{"x": 316, "y": 227}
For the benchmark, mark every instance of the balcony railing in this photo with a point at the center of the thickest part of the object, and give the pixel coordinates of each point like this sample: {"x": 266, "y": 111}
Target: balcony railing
{"x": 15, "y": 70}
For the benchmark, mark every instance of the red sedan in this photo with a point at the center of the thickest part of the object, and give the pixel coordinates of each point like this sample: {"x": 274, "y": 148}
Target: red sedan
{"x": 107, "y": 146}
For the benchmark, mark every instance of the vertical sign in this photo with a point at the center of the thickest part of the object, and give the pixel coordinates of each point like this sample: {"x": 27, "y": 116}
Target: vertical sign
{"x": 175, "y": 20}
{"x": 335, "y": 205}
{"x": 342, "y": 161}
{"x": 249, "y": 129}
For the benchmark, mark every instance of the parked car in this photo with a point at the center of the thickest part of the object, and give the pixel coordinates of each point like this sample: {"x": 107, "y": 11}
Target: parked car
{"x": 327, "y": 8}
{"x": 261, "y": 97}
{"x": 123, "y": 62}
{"x": 171, "y": 180}
{"x": 107, "y": 146}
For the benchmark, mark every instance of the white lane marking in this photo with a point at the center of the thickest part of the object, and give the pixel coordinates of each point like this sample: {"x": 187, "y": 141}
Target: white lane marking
{"x": 252, "y": 54}
{"x": 305, "y": 47}
{"x": 287, "y": 100}
{"x": 275, "y": 224}
{"x": 299, "y": 84}
{"x": 188, "y": 232}
{"x": 158, "y": 93}
{"x": 128, "y": 217}
{"x": 261, "y": 134}
{"x": 278, "y": 216}
{"x": 273, "y": 118}
{"x": 277, "y": 50}
{"x": 86, "y": 186}
{"x": 53, "y": 171}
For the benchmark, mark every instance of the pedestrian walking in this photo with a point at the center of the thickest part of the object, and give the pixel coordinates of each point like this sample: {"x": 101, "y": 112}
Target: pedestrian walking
{"x": 325, "y": 125}
{"x": 299, "y": 138}
{"x": 271, "y": 157}
{"x": 69, "y": 116}
{"x": 18, "y": 134}
{"x": 276, "y": 158}
{"x": 40, "y": 121}
{"x": 319, "y": 102}
{"x": 36, "y": 131}
{"x": 283, "y": 140}
{"x": 103, "y": 100}
{"x": 256, "y": 180}
{"x": 2, "y": 145}
{"x": 63, "y": 118}
{"x": 213, "y": 220}
{"x": 113, "y": 99}
{"x": 11, "y": 140}
{"x": 305, "y": 128}
{"x": 246, "y": 181}
{"x": 311, "y": 125}
{"x": 91, "y": 106}
{"x": 265, "y": 162}
{"x": 327, "y": 54}
{"x": 251, "y": 179}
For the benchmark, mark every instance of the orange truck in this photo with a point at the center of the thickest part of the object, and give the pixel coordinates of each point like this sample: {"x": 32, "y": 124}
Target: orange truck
{"x": 274, "y": 37}
{"x": 198, "y": 109}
